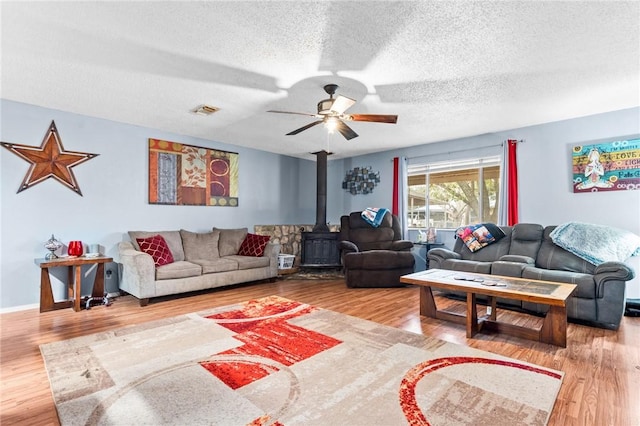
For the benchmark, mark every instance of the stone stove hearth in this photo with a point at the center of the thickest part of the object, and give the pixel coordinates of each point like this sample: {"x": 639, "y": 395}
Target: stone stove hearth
{"x": 290, "y": 236}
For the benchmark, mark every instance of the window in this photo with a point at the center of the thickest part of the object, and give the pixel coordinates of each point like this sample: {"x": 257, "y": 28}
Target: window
{"x": 452, "y": 194}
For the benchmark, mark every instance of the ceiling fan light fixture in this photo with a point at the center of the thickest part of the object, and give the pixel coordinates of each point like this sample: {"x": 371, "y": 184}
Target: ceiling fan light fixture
{"x": 331, "y": 124}
{"x": 331, "y": 112}
{"x": 324, "y": 106}
{"x": 205, "y": 110}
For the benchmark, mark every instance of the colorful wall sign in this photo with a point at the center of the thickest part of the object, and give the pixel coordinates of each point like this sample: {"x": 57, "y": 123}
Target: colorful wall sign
{"x": 611, "y": 166}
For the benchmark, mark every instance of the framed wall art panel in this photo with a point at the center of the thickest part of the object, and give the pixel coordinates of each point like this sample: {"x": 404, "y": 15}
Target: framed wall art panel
{"x": 182, "y": 174}
{"x": 610, "y": 166}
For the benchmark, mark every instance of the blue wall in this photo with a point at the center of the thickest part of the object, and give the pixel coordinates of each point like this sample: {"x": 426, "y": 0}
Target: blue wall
{"x": 544, "y": 173}
{"x": 274, "y": 189}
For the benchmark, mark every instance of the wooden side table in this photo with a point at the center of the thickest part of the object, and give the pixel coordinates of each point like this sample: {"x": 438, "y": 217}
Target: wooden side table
{"x": 428, "y": 246}
{"x": 74, "y": 284}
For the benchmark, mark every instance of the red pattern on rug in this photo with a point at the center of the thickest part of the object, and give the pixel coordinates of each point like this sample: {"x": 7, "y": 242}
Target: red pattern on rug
{"x": 266, "y": 333}
{"x": 407, "y": 395}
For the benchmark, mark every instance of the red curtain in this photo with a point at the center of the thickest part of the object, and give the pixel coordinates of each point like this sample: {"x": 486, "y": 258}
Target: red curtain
{"x": 395, "y": 207}
{"x": 512, "y": 183}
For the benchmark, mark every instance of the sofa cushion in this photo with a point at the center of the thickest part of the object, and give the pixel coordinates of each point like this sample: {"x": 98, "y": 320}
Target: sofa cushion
{"x": 372, "y": 238}
{"x": 586, "y": 285}
{"x": 365, "y": 236}
{"x": 157, "y": 248}
{"x": 249, "y": 262}
{"x": 173, "y": 239}
{"x": 200, "y": 245}
{"x": 508, "y": 268}
{"x": 551, "y": 256}
{"x": 230, "y": 240}
{"x": 526, "y": 239}
{"x": 467, "y": 266}
{"x": 253, "y": 245}
{"x": 180, "y": 269}
{"x": 379, "y": 260}
{"x": 210, "y": 266}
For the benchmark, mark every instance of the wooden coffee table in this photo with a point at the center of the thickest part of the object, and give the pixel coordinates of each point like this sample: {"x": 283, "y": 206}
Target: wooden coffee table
{"x": 554, "y": 326}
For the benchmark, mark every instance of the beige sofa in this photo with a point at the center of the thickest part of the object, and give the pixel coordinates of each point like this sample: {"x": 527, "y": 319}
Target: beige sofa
{"x": 201, "y": 261}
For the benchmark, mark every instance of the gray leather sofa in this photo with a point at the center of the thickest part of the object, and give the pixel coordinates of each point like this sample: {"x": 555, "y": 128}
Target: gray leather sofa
{"x": 527, "y": 251}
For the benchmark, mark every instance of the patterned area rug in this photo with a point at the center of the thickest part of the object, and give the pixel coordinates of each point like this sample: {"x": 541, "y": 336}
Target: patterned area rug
{"x": 274, "y": 361}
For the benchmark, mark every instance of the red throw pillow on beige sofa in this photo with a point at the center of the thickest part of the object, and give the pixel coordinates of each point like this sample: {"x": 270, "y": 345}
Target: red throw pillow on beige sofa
{"x": 253, "y": 245}
{"x": 157, "y": 248}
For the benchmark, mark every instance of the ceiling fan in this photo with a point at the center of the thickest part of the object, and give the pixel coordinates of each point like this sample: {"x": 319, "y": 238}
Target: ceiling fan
{"x": 331, "y": 112}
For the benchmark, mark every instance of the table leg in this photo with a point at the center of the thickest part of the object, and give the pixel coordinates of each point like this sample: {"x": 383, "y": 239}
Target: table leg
{"x": 427, "y": 304}
{"x": 46, "y": 293}
{"x": 98, "y": 284}
{"x": 554, "y": 327}
{"x": 78, "y": 289}
{"x": 493, "y": 304}
{"x": 70, "y": 283}
{"x": 472, "y": 315}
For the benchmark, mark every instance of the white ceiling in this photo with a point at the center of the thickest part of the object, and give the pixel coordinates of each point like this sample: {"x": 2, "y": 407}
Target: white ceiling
{"x": 448, "y": 69}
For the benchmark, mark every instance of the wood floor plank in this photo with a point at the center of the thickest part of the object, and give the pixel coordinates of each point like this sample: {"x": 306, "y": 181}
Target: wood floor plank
{"x": 602, "y": 367}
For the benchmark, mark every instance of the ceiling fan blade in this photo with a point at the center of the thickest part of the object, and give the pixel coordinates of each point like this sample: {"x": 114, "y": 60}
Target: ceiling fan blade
{"x": 341, "y": 104}
{"x": 377, "y": 118}
{"x": 345, "y": 130}
{"x": 301, "y": 129}
{"x": 289, "y": 112}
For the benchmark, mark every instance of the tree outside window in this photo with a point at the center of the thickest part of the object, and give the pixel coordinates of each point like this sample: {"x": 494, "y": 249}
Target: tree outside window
{"x": 457, "y": 194}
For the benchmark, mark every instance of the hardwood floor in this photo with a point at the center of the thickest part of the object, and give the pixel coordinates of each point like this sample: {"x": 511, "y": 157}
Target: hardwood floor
{"x": 602, "y": 367}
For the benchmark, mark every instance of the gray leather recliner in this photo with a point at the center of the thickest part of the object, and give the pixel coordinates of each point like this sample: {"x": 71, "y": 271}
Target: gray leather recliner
{"x": 374, "y": 257}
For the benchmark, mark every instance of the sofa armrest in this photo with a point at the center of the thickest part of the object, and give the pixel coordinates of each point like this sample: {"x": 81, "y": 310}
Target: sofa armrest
{"x": 443, "y": 253}
{"x": 437, "y": 256}
{"x": 348, "y": 247}
{"x": 272, "y": 250}
{"x": 613, "y": 270}
{"x": 518, "y": 259}
{"x": 138, "y": 271}
{"x": 401, "y": 245}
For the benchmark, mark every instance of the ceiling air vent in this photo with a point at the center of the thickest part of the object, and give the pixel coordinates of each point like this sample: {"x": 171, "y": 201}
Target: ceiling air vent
{"x": 205, "y": 110}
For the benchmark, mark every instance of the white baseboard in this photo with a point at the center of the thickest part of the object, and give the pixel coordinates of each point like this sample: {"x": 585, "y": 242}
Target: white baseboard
{"x": 19, "y": 308}
{"x": 37, "y": 305}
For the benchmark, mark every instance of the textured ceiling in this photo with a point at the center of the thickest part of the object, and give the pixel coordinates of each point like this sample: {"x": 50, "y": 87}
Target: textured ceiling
{"x": 447, "y": 69}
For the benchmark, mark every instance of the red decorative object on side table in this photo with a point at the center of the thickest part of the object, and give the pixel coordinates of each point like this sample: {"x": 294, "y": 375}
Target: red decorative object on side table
{"x": 75, "y": 248}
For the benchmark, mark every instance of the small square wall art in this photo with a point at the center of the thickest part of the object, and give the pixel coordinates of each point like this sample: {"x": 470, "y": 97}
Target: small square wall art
{"x": 182, "y": 174}
{"x": 611, "y": 166}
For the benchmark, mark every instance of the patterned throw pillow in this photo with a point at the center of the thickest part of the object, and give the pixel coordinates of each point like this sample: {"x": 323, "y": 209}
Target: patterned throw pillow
{"x": 253, "y": 245}
{"x": 478, "y": 236}
{"x": 157, "y": 248}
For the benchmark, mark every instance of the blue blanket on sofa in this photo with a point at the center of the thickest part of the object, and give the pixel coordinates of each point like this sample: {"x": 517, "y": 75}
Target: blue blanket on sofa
{"x": 596, "y": 243}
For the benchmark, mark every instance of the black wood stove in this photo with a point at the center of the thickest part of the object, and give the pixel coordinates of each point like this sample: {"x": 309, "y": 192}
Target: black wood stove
{"x": 320, "y": 246}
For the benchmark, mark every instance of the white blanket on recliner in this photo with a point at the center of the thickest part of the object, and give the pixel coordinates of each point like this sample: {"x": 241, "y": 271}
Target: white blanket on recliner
{"x": 596, "y": 243}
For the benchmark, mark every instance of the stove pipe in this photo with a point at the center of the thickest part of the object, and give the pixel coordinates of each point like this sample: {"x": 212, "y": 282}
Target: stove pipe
{"x": 321, "y": 192}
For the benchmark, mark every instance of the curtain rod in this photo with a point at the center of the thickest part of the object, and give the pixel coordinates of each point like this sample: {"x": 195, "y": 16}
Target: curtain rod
{"x": 465, "y": 150}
